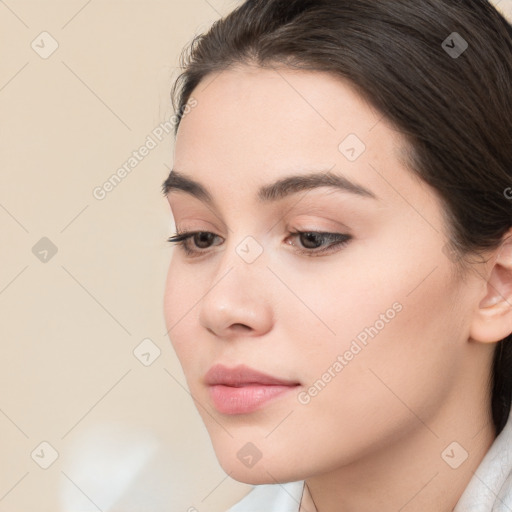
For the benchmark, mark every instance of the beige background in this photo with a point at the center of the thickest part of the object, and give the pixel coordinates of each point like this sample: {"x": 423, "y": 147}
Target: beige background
{"x": 127, "y": 435}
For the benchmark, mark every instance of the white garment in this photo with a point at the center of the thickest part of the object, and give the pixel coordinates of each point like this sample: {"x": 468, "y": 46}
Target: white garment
{"x": 489, "y": 490}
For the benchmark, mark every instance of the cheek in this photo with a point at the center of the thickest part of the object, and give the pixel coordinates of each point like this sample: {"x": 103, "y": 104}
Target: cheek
{"x": 179, "y": 311}
{"x": 388, "y": 311}
{"x": 397, "y": 348}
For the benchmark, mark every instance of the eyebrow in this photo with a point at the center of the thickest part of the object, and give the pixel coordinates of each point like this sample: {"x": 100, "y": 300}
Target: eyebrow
{"x": 281, "y": 188}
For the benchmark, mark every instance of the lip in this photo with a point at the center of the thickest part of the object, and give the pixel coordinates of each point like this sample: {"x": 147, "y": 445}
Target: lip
{"x": 242, "y": 375}
{"x": 241, "y": 390}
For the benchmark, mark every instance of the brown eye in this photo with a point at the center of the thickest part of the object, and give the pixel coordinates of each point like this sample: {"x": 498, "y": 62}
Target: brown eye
{"x": 202, "y": 239}
{"x": 313, "y": 240}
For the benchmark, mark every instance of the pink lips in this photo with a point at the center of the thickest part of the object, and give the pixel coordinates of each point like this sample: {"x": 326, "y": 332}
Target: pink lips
{"x": 241, "y": 389}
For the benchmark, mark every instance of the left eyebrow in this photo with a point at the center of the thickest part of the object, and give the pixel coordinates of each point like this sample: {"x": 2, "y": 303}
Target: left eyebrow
{"x": 274, "y": 191}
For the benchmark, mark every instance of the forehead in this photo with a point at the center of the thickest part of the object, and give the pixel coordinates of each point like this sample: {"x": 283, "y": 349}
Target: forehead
{"x": 296, "y": 104}
{"x": 252, "y": 125}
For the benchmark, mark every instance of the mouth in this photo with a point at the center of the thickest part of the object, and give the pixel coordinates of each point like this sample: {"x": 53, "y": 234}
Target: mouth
{"x": 241, "y": 390}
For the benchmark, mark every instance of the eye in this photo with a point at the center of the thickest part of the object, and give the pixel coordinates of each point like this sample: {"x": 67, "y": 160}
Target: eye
{"x": 200, "y": 238}
{"x": 312, "y": 241}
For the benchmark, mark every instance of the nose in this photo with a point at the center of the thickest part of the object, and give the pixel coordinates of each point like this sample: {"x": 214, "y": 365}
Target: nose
{"x": 238, "y": 300}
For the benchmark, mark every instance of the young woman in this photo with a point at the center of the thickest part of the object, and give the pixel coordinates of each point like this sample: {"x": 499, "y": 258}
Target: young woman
{"x": 341, "y": 295}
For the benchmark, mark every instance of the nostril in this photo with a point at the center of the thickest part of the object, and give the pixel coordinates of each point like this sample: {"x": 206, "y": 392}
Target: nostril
{"x": 240, "y": 327}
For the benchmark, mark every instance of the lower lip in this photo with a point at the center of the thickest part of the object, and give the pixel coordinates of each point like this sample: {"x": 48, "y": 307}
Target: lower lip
{"x": 244, "y": 399}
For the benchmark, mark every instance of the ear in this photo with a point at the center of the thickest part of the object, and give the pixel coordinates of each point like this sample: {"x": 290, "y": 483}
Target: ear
{"x": 493, "y": 318}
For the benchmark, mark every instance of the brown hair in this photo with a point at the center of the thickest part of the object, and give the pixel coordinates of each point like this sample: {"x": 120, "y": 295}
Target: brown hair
{"x": 439, "y": 70}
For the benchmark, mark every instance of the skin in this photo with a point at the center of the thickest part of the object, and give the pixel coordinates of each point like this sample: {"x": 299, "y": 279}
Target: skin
{"x": 375, "y": 434}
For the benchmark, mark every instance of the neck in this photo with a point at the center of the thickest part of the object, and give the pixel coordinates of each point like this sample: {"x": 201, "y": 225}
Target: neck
{"x": 414, "y": 472}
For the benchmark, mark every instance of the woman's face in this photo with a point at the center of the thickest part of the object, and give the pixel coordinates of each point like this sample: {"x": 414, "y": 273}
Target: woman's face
{"x": 368, "y": 330}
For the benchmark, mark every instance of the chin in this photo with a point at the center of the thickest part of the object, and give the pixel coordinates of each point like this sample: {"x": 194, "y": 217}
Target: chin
{"x": 255, "y": 476}
{"x": 242, "y": 469}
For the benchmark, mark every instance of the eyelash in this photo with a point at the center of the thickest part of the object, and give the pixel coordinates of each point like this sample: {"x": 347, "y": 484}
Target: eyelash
{"x": 182, "y": 238}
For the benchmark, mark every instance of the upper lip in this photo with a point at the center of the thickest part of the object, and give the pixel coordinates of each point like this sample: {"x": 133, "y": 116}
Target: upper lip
{"x": 242, "y": 375}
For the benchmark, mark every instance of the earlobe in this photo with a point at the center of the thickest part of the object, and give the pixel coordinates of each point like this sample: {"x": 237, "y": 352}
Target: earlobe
{"x": 493, "y": 318}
